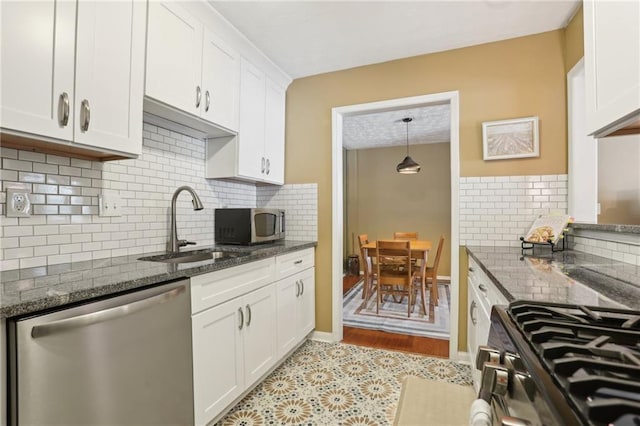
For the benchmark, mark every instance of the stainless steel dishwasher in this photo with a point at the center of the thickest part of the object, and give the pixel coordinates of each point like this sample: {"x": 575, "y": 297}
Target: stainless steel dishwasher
{"x": 125, "y": 360}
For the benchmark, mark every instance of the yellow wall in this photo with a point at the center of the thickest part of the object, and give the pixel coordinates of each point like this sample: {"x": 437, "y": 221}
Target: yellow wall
{"x": 381, "y": 201}
{"x": 574, "y": 40}
{"x": 513, "y": 78}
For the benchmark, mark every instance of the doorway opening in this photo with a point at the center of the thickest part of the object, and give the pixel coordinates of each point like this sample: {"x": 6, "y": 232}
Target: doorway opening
{"x": 339, "y": 250}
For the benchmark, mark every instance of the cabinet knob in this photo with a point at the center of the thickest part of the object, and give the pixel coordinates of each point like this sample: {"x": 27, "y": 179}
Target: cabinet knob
{"x": 85, "y": 112}
{"x": 198, "y": 96}
{"x": 63, "y": 109}
{"x": 470, "y": 268}
{"x": 482, "y": 287}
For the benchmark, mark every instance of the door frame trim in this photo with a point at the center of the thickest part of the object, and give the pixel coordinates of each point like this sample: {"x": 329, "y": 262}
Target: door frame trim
{"x": 337, "y": 116}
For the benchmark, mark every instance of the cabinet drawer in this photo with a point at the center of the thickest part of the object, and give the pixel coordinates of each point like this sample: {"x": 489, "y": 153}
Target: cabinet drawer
{"x": 217, "y": 287}
{"x": 292, "y": 263}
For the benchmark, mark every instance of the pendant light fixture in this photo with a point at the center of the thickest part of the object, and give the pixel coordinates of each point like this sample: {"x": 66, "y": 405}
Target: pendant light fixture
{"x": 408, "y": 166}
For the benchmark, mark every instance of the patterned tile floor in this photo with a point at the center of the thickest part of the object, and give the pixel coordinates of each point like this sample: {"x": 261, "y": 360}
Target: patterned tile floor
{"x": 338, "y": 384}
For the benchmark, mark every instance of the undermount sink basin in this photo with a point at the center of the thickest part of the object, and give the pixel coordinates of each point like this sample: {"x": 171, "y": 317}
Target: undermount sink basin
{"x": 192, "y": 257}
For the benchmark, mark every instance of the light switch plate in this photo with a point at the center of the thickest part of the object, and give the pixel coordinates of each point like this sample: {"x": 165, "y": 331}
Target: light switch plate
{"x": 109, "y": 204}
{"x": 18, "y": 203}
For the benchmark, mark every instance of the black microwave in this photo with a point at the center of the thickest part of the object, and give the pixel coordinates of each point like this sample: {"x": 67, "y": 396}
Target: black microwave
{"x": 248, "y": 226}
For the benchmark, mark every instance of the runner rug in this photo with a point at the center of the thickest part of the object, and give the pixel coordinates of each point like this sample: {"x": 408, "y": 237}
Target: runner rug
{"x": 392, "y": 316}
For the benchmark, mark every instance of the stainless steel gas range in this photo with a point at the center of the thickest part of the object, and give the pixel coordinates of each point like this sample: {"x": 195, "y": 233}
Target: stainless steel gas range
{"x": 558, "y": 364}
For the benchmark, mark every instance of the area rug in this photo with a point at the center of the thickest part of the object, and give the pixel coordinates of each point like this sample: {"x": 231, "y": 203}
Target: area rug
{"x": 392, "y": 317}
{"x": 338, "y": 384}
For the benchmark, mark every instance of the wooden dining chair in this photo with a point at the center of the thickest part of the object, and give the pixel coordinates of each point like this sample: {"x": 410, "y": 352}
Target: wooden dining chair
{"x": 367, "y": 265}
{"x": 405, "y": 235}
{"x": 391, "y": 280}
{"x": 430, "y": 277}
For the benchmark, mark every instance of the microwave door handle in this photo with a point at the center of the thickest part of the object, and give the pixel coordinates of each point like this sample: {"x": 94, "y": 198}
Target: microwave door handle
{"x": 104, "y": 315}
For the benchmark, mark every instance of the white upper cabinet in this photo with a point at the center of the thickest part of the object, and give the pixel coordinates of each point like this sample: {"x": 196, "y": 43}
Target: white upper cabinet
{"x": 74, "y": 72}
{"x": 251, "y": 160}
{"x": 612, "y": 65}
{"x": 220, "y": 81}
{"x": 38, "y": 86}
{"x": 189, "y": 68}
{"x": 257, "y": 153}
{"x": 174, "y": 55}
{"x": 110, "y": 75}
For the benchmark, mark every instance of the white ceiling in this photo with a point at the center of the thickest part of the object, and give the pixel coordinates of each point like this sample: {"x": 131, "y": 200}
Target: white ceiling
{"x": 312, "y": 37}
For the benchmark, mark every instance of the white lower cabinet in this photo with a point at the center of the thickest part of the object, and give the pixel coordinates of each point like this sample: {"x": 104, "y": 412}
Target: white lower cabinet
{"x": 296, "y": 309}
{"x": 482, "y": 295}
{"x": 234, "y": 344}
{"x": 245, "y": 320}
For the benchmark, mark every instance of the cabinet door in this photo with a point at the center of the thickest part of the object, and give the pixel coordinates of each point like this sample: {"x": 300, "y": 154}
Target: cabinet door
{"x": 274, "y": 132}
{"x": 306, "y": 306}
{"x": 220, "y": 82}
{"x": 218, "y": 374}
{"x": 174, "y": 57}
{"x": 110, "y": 75}
{"x": 259, "y": 331}
{"x": 288, "y": 295}
{"x": 37, "y": 59}
{"x": 612, "y": 61}
{"x": 251, "y": 161}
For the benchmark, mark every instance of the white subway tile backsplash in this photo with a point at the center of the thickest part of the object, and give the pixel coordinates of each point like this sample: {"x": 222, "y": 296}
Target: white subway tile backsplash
{"x": 498, "y": 210}
{"x": 65, "y": 225}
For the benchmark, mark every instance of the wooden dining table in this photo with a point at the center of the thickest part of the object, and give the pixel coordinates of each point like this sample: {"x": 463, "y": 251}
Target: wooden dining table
{"x": 419, "y": 250}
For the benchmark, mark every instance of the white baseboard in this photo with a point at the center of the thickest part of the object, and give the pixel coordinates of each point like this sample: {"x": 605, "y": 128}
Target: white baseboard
{"x": 463, "y": 358}
{"x": 322, "y": 336}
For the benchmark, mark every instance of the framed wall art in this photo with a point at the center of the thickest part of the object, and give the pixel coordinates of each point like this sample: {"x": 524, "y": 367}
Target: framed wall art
{"x": 515, "y": 138}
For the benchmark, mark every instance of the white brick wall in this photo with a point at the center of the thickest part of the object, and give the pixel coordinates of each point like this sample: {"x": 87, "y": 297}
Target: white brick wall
{"x": 301, "y": 203}
{"x": 65, "y": 226}
{"x": 628, "y": 252}
{"x": 498, "y": 210}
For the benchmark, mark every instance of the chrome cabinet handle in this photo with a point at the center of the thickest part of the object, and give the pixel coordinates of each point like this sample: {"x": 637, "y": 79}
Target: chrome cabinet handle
{"x": 262, "y": 167}
{"x": 85, "y": 110}
{"x": 302, "y": 287}
{"x": 63, "y": 109}
{"x": 104, "y": 315}
{"x": 482, "y": 287}
{"x": 241, "y": 319}
{"x": 248, "y": 308}
{"x": 198, "y": 96}
{"x": 297, "y": 288}
{"x": 268, "y": 166}
{"x": 207, "y": 101}
{"x": 297, "y": 262}
{"x": 472, "y": 308}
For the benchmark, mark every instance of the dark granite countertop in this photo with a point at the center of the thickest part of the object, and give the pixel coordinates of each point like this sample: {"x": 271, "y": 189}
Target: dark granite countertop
{"x": 565, "y": 277}
{"x": 25, "y": 291}
{"x": 605, "y": 227}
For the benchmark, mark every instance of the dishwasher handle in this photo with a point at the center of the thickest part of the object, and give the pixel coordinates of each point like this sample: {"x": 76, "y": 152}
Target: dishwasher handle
{"x": 104, "y": 315}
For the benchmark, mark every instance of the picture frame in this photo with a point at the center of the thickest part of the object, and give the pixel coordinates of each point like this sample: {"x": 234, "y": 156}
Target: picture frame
{"x": 513, "y": 138}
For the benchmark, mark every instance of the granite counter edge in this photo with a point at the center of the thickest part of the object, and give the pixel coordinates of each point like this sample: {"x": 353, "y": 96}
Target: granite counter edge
{"x": 50, "y": 302}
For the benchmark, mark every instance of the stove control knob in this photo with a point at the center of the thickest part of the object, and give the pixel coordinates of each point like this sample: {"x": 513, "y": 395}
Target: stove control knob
{"x": 513, "y": 421}
{"x": 487, "y": 354}
{"x": 494, "y": 380}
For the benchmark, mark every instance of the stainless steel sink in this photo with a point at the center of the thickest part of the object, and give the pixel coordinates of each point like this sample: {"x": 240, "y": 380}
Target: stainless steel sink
{"x": 188, "y": 257}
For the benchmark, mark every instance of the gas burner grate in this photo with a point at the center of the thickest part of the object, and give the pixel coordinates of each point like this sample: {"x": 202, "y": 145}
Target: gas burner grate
{"x": 592, "y": 353}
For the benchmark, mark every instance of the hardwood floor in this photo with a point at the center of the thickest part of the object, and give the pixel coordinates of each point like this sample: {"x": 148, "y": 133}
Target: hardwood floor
{"x": 393, "y": 341}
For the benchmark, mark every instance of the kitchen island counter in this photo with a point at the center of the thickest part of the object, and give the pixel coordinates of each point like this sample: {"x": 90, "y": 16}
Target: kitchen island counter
{"x": 29, "y": 290}
{"x": 562, "y": 277}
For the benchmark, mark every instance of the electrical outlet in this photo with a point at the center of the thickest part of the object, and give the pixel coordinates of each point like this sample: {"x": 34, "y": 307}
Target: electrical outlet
{"x": 109, "y": 204}
{"x": 18, "y": 203}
